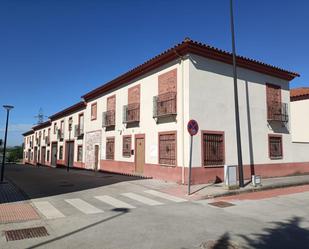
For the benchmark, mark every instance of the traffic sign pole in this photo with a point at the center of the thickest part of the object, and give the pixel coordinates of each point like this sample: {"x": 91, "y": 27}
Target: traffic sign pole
{"x": 190, "y": 167}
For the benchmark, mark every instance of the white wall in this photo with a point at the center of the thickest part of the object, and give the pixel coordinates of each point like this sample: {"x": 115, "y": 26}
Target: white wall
{"x": 212, "y": 105}
{"x": 300, "y": 120}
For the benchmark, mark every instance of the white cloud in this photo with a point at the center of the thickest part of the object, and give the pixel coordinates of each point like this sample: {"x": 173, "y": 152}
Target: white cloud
{"x": 17, "y": 128}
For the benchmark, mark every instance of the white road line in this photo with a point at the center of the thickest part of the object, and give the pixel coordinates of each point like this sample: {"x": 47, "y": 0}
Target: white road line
{"x": 165, "y": 196}
{"x": 83, "y": 206}
{"x": 142, "y": 199}
{"x": 113, "y": 201}
{"x": 48, "y": 210}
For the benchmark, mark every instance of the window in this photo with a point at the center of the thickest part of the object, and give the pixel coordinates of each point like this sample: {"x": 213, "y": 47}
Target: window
{"x": 61, "y": 152}
{"x": 94, "y": 111}
{"x": 55, "y": 128}
{"x": 47, "y": 156}
{"x": 70, "y": 123}
{"x": 275, "y": 146}
{"x": 62, "y": 126}
{"x": 167, "y": 148}
{"x": 110, "y": 147}
{"x": 213, "y": 148}
{"x": 43, "y": 134}
{"x": 79, "y": 153}
{"x": 126, "y": 146}
{"x": 273, "y": 96}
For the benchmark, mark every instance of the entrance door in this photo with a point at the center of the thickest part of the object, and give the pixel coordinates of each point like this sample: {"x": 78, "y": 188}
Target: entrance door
{"x": 35, "y": 156}
{"x": 43, "y": 151}
{"x": 70, "y": 153}
{"x": 96, "y": 157}
{"x": 54, "y": 154}
{"x": 139, "y": 155}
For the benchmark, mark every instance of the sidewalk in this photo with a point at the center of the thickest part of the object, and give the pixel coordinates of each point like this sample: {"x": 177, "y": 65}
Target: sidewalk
{"x": 207, "y": 191}
{"x": 14, "y": 206}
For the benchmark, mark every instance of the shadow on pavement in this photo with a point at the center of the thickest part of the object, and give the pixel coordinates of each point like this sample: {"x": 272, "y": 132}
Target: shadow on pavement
{"x": 120, "y": 212}
{"x": 36, "y": 182}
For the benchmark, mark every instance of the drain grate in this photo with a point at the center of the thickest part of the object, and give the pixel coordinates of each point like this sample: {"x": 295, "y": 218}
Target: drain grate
{"x": 222, "y": 204}
{"x": 26, "y": 233}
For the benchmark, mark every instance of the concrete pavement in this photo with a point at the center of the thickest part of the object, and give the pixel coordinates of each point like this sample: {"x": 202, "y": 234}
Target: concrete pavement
{"x": 123, "y": 222}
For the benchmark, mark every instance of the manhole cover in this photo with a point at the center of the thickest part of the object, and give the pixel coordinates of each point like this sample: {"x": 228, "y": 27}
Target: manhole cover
{"x": 222, "y": 204}
{"x": 26, "y": 233}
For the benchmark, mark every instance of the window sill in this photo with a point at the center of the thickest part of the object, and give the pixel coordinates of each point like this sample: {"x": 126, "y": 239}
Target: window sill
{"x": 213, "y": 166}
{"x": 276, "y": 158}
{"x": 167, "y": 165}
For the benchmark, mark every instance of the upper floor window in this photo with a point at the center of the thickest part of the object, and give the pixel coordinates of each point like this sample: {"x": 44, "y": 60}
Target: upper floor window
{"x": 94, "y": 111}
{"x": 276, "y": 110}
{"x": 167, "y": 148}
{"x": 131, "y": 111}
{"x": 166, "y": 102}
{"x": 109, "y": 115}
{"x": 70, "y": 123}
{"x": 55, "y": 128}
{"x": 212, "y": 148}
{"x": 275, "y": 146}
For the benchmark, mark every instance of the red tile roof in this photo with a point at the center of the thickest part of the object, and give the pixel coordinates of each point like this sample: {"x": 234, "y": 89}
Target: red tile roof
{"x": 181, "y": 49}
{"x": 299, "y": 93}
{"x": 80, "y": 105}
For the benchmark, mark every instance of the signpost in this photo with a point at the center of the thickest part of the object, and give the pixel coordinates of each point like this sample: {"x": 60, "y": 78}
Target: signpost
{"x": 192, "y": 128}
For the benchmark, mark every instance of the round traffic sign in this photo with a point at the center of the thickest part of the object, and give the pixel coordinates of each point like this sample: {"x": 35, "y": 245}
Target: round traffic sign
{"x": 192, "y": 127}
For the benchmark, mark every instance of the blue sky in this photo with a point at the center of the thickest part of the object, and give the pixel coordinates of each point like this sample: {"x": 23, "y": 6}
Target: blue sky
{"x": 52, "y": 52}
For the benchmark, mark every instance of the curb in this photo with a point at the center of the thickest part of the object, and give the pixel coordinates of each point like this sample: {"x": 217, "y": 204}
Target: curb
{"x": 258, "y": 189}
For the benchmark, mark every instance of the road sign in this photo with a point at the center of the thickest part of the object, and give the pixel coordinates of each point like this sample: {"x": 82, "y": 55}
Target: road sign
{"x": 192, "y": 127}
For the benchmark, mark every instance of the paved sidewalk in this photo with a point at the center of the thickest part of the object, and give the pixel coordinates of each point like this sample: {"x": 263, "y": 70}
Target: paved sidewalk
{"x": 207, "y": 191}
{"x": 14, "y": 206}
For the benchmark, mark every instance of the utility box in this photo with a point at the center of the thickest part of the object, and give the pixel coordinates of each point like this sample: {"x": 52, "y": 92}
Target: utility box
{"x": 256, "y": 181}
{"x": 230, "y": 176}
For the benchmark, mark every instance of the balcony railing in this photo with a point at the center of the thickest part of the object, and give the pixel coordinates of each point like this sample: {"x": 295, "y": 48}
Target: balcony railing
{"x": 78, "y": 130}
{"x": 165, "y": 104}
{"x": 108, "y": 119}
{"x": 278, "y": 112}
{"x": 47, "y": 140}
{"x": 60, "y": 135}
{"x": 131, "y": 113}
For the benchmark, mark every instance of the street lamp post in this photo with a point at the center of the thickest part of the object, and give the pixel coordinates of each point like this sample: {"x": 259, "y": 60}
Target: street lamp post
{"x": 238, "y": 137}
{"x": 8, "y": 108}
{"x": 69, "y": 143}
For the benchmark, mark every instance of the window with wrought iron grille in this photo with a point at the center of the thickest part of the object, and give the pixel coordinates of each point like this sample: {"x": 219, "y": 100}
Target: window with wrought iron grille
{"x": 110, "y": 147}
{"x": 275, "y": 147}
{"x": 79, "y": 153}
{"x": 47, "y": 157}
{"x": 167, "y": 148}
{"x": 60, "y": 152}
{"x": 213, "y": 148}
{"x": 126, "y": 146}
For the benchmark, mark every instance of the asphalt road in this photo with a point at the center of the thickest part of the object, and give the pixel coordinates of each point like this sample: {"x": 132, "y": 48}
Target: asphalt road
{"x": 149, "y": 220}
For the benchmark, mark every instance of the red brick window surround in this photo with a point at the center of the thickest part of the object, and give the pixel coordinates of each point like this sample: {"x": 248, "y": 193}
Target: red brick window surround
{"x": 275, "y": 146}
{"x": 94, "y": 111}
{"x": 126, "y": 146}
{"x": 167, "y": 148}
{"x": 110, "y": 148}
{"x": 213, "y": 148}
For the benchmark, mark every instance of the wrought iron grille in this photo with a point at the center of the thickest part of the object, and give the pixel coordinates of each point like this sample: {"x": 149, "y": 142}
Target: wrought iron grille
{"x": 213, "y": 149}
{"x": 126, "y": 146}
{"x": 277, "y": 111}
{"x": 110, "y": 142}
{"x": 167, "y": 149}
{"x": 165, "y": 104}
{"x": 275, "y": 147}
{"x": 60, "y": 134}
{"x": 131, "y": 113}
{"x": 78, "y": 130}
{"x": 108, "y": 118}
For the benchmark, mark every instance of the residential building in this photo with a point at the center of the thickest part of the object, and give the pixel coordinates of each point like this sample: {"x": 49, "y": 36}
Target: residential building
{"x": 137, "y": 123}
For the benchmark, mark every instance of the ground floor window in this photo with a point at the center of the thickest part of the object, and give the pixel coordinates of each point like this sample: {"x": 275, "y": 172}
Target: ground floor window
{"x": 79, "y": 153}
{"x": 126, "y": 146}
{"x": 61, "y": 152}
{"x": 47, "y": 156}
{"x": 110, "y": 148}
{"x": 275, "y": 146}
{"x": 167, "y": 148}
{"x": 212, "y": 148}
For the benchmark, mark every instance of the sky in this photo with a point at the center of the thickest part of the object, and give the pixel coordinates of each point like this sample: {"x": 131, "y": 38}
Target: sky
{"x": 53, "y": 52}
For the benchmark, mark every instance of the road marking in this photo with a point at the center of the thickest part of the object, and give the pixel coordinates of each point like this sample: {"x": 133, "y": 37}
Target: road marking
{"x": 113, "y": 201}
{"x": 142, "y": 199}
{"x": 48, "y": 210}
{"x": 83, "y": 206}
{"x": 165, "y": 196}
